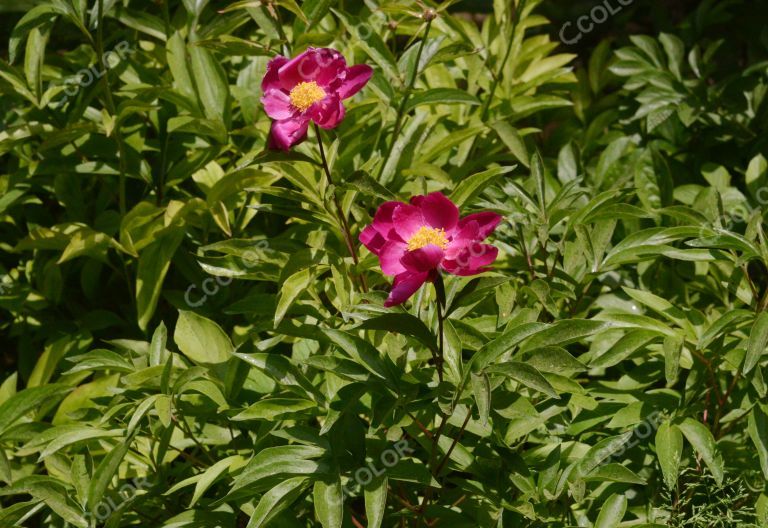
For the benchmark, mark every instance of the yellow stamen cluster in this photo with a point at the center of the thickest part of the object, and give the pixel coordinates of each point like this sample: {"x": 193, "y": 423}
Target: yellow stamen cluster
{"x": 426, "y": 236}
{"x": 305, "y": 94}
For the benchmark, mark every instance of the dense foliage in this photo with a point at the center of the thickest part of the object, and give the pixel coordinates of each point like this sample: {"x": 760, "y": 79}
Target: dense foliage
{"x": 192, "y": 334}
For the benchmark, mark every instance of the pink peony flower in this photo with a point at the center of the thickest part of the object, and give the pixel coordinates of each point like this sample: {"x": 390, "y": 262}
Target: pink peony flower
{"x": 415, "y": 241}
{"x": 309, "y": 87}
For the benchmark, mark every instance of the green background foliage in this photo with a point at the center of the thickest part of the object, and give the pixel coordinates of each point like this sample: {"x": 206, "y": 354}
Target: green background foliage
{"x": 186, "y": 341}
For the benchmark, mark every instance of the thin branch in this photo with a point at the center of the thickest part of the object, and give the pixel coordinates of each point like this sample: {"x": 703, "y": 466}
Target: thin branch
{"x": 454, "y": 443}
{"x": 432, "y": 456}
{"x": 110, "y": 104}
{"x": 406, "y": 96}
{"x": 346, "y": 234}
{"x": 421, "y": 426}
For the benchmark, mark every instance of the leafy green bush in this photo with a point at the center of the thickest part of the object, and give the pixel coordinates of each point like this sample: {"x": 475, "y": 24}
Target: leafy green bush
{"x": 194, "y": 336}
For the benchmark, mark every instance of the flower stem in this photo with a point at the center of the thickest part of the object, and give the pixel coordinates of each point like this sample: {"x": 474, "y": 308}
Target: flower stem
{"x": 440, "y": 294}
{"x": 110, "y": 104}
{"x": 435, "y": 470}
{"x": 346, "y": 233}
{"x": 456, "y": 440}
{"x": 495, "y": 83}
{"x": 406, "y": 96}
{"x": 432, "y": 457}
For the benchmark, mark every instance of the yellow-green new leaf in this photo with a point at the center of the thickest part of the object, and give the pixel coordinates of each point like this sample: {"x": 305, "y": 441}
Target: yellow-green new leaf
{"x": 202, "y": 340}
{"x": 669, "y": 449}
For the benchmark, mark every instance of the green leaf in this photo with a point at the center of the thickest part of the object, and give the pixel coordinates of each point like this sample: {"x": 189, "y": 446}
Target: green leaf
{"x": 612, "y": 512}
{"x": 365, "y": 355}
{"x": 503, "y": 344}
{"x": 669, "y": 450}
{"x": 158, "y": 355}
{"x": 758, "y": 340}
{"x": 34, "y": 56}
{"x": 704, "y": 443}
{"x": 177, "y": 59}
{"x": 614, "y": 473}
{"x": 50, "y": 491}
{"x": 376, "y": 500}
{"x": 757, "y": 177}
{"x": 290, "y": 290}
{"x": 673, "y": 347}
{"x": 675, "y": 50}
{"x": 600, "y": 452}
{"x": 723, "y": 323}
{"x": 274, "y": 409}
{"x": 211, "y": 82}
{"x": 100, "y": 359}
{"x": 208, "y": 477}
{"x": 554, "y": 359}
{"x": 630, "y": 343}
{"x": 276, "y": 462}
{"x": 141, "y": 410}
{"x": 758, "y": 432}
{"x": 436, "y": 96}
{"x": 402, "y": 323}
{"x": 293, "y": 7}
{"x": 470, "y": 187}
{"x": 481, "y": 388}
{"x": 8, "y": 387}
{"x": 26, "y": 401}
{"x": 525, "y": 374}
{"x": 39, "y": 15}
{"x": 372, "y": 44}
{"x": 564, "y": 332}
{"x": 513, "y": 141}
{"x": 202, "y": 340}
{"x": 72, "y": 434}
{"x": 105, "y": 471}
{"x": 329, "y": 502}
{"x": 315, "y": 10}
{"x": 276, "y": 500}
{"x": 281, "y": 370}
{"x": 154, "y": 261}
{"x": 537, "y": 173}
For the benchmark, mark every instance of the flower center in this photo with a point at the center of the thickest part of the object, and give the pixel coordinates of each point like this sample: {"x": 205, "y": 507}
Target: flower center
{"x": 305, "y": 94}
{"x": 426, "y": 236}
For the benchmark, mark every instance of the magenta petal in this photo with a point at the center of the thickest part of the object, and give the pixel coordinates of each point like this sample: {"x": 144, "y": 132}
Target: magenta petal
{"x": 407, "y": 219}
{"x": 423, "y": 259}
{"x": 277, "y": 104}
{"x": 322, "y": 65}
{"x": 472, "y": 260}
{"x": 285, "y": 134}
{"x": 416, "y": 200}
{"x": 404, "y": 286}
{"x": 372, "y": 239}
{"x": 487, "y": 222}
{"x": 382, "y": 220}
{"x": 439, "y": 211}
{"x": 462, "y": 237}
{"x": 357, "y": 77}
{"x": 389, "y": 257}
{"x": 271, "y": 79}
{"x": 327, "y": 113}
